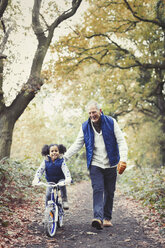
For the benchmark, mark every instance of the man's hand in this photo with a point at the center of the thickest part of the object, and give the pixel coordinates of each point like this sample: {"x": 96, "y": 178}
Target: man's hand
{"x": 121, "y": 167}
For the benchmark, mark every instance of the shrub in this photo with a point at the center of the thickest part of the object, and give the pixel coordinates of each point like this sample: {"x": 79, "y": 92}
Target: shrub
{"x": 147, "y": 185}
{"x": 15, "y": 181}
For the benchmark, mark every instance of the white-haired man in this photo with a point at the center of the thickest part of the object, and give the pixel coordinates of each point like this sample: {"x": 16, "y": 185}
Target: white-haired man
{"x": 106, "y": 151}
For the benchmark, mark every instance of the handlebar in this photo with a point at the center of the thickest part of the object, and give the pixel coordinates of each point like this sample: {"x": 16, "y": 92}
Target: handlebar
{"x": 52, "y": 184}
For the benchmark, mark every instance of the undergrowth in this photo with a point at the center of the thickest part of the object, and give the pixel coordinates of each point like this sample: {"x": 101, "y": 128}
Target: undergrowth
{"x": 146, "y": 185}
{"x": 15, "y": 182}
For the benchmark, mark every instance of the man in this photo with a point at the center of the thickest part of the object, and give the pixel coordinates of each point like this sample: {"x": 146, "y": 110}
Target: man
{"x": 106, "y": 151}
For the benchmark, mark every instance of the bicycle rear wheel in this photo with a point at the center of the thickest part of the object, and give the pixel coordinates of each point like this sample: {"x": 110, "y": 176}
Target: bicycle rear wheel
{"x": 50, "y": 222}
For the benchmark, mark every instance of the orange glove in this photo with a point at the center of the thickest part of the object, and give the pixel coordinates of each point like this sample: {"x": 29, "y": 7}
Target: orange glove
{"x": 121, "y": 167}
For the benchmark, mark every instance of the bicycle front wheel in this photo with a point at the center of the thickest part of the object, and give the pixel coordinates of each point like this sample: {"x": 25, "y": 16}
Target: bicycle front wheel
{"x": 60, "y": 216}
{"x": 50, "y": 222}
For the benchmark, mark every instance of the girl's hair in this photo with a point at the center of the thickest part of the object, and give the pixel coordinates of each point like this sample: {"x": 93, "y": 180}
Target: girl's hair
{"x": 46, "y": 149}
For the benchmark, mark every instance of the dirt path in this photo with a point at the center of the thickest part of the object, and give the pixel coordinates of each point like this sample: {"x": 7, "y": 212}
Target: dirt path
{"x": 127, "y": 230}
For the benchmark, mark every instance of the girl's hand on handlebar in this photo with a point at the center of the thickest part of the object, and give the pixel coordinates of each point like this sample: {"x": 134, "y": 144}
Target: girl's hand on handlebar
{"x": 68, "y": 180}
{"x": 35, "y": 181}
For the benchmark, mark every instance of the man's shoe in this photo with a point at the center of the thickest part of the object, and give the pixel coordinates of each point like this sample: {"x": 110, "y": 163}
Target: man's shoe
{"x": 65, "y": 205}
{"x": 107, "y": 223}
{"x": 97, "y": 224}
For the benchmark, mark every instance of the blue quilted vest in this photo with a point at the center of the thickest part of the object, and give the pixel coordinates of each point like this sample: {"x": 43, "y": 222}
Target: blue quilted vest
{"x": 53, "y": 170}
{"x": 107, "y": 127}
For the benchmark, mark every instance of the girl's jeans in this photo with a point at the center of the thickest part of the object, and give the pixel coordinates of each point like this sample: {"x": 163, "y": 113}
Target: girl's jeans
{"x": 63, "y": 193}
{"x": 103, "y": 184}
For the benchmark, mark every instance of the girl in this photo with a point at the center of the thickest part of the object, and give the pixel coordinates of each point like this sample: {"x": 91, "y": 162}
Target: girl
{"x": 55, "y": 169}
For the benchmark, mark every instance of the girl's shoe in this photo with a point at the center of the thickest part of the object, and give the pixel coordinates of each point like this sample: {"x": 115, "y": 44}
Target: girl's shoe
{"x": 65, "y": 205}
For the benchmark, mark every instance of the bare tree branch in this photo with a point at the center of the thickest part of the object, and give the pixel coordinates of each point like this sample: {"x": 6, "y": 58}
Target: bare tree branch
{"x": 104, "y": 52}
{"x": 160, "y": 24}
{"x": 3, "y": 25}
{"x": 36, "y": 24}
{"x": 5, "y": 39}
{"x": 3, "y": 6}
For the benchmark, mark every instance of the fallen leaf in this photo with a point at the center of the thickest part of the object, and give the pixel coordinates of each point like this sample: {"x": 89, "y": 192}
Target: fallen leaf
{"x": 91, "y": 233}
{"x": 127, "y": 240}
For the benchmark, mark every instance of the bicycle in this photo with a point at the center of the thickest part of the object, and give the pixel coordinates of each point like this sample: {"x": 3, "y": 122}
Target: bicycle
{"x": 54, "y": 213}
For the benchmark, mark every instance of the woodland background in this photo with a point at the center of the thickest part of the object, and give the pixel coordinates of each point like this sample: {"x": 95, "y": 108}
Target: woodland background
{"x": 65, "y": 55}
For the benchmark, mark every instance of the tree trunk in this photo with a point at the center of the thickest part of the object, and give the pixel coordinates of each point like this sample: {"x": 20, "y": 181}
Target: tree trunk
{"x": 162, "y": 143}
{"x": 161, "y": 107}
{"x": 6, "y": 130}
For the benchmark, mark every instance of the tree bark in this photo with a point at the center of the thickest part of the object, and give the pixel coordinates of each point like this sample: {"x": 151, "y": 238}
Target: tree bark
{"x": 6, "y": 130}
